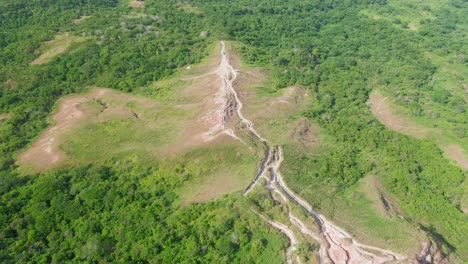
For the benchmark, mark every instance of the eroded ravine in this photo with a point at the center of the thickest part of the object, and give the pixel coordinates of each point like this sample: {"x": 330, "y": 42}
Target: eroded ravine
{"x": 336, "y": 246}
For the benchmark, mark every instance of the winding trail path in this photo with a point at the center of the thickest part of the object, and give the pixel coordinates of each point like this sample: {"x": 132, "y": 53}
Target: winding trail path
{"x": 336, "y": 246}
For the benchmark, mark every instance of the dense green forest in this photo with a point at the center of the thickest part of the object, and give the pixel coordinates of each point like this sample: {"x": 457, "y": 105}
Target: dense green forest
{"x": 125, "y": 211}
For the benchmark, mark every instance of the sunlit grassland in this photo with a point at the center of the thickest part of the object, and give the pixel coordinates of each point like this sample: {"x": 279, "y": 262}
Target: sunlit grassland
{"x": 356, "y": 211}
{"x": 355, "y": 208}
{"x": 407, "y": 14}
{"x": 216, "y": 170}
{"x": 60, "y": 44}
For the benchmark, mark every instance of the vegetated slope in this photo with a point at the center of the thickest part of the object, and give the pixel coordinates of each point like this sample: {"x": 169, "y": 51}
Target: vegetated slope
{"x": 323, "y": 45}
{"x": 340, "y": 54}
{"x": 440, "y": 27}
{"x": 381, "y": 109}
{"x": 52, "y": 48}
{"x": 123, "y": 210}
{"x": 104, "y": 124}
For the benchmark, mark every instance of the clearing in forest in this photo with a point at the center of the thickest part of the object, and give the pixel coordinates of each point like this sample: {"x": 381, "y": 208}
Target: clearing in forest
{"x": 100, "y": 125}
{"x": 80, "y": 20}
{"x": 371, "y": 215}
{"x": 137, "y": 4}
{"x": 4, "y": 116}
{"x": 382, "y": 110}
{"x": 186, "y": 7}
{"x": 72, "y": 112}
{"x": 52, "y": 48}
{"x": 406, "y": 13}
{"x": 181, "y": 120}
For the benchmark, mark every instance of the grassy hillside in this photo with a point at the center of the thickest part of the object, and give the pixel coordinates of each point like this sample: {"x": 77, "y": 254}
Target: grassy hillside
{"x": 323, "y": 58}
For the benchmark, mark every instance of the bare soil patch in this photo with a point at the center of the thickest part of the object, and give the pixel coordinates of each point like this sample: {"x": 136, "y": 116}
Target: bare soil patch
{"x": 80, "y": 20}
{"x": 189, "y": 8}
{"x": 200, "y": 95}
{"x": 457, "y": 153}
{"x": 382, "y": 111}
{"x": 44, "y": 153}
{"x": 137, "y": 4}
{"x": 413, "y": 26}
{"x": 73, "y": 112}
{"x": 221, "y": 184}
{"x": 4, "y": 116}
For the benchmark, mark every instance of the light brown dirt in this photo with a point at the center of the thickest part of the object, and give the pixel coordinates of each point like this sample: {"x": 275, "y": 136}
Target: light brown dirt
{"x": 413, "y": 26}
{"x": 201, "y": 95}
{"x": 80, "y": 20}
{"x": 137, "y": 4}
{"x": 4, "y": 116}
{"x": 430, "y": 253}
{"x": 382, "y": 111}
{"x": 10, "y": 83}
{"x": 73, "y": 112}
{"x": 457, "y": 153}
{"x": 44, "y": 153}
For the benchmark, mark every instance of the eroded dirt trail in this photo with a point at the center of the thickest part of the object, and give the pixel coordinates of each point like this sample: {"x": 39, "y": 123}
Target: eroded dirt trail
{"x": 336, "y": 246}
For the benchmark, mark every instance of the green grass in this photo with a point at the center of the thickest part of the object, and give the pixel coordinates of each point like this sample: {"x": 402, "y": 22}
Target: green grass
{"x": 405, "y": 13}
{"x": 447, "y": 115}
{"x": 217, "y": 170}
{"x": 440, "y": 130}
{"x": 116, "y": 138}
{"x": 60, "y": 44}
{"x": 355, "y": 208}
{"x": 356, "y": 212}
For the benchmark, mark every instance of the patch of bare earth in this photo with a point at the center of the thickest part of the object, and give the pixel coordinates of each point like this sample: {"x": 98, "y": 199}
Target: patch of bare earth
{"x": 137, "y": 4}
{"x": 413, "y": 26}
{"x": 206, "y": 101}
{"x": 430, "y": 253}
{"x": 382, "y": 111}
{"x": 73, "y": 112}
{"x": 189, "y": 8}
{"x": 4, "y": 116}
{"x": 80, "y": 20}
{"x": 44, "y": 153}
{"x": 304, "y": 134}
{"x": 457, "y": 153}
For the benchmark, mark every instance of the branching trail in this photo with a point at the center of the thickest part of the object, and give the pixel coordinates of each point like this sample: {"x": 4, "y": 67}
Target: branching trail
{"x": 336, "y": 246}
